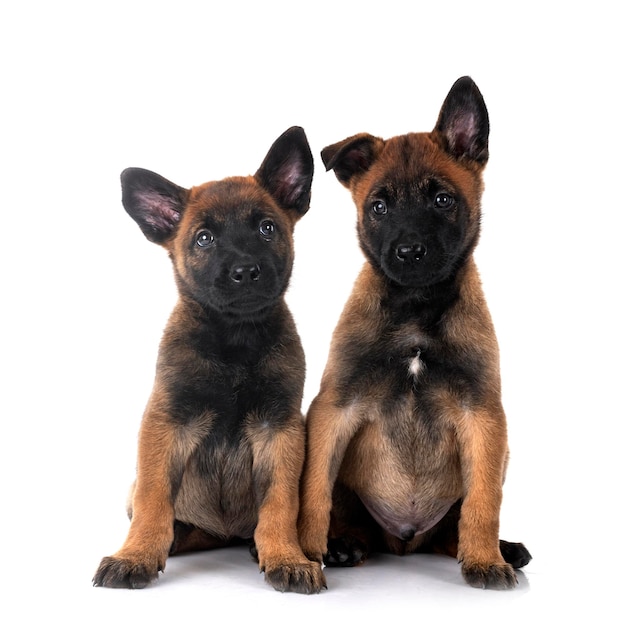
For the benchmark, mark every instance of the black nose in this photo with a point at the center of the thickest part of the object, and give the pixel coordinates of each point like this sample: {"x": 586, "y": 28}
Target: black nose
{"x": 413, "y": 252}
{"x": 242, "y": 273}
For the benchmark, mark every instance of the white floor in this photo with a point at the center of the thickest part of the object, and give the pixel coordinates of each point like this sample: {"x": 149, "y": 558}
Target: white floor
{"x": 224, "y": 586}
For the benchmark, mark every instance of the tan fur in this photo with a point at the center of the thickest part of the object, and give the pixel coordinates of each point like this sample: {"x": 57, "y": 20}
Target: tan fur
{"x": 408, "y": 424}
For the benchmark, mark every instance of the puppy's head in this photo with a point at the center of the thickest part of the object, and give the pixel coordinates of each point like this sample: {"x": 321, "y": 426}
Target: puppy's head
{"x": 418, "y": 195}
{"x": 230, "y": 241}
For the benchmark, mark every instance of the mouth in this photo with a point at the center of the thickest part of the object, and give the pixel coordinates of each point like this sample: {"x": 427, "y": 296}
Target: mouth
{"x": 414, "y": 271}
{"x": 246, "y": 304}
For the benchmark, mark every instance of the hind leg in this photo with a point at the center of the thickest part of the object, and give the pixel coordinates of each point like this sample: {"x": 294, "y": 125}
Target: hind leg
{"x": 353, "y": 534}
{"x": 443, "y": 539}
{"x": 514, "y": 553}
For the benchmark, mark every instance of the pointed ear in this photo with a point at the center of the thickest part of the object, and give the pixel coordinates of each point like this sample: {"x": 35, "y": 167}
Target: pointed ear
{"x": 463, "y": 122}
{"x": 351, "y": 156}
{"x": 153, "y": 202}
{"x": 287, "y": 171}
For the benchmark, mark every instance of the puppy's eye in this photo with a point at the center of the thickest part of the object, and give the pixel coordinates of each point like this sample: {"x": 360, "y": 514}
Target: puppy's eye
{"x": 443, "y": 200}
{"x": 379, "y": 207}
{"x": 204, "y": 239}
{"x": 267, "y": 228}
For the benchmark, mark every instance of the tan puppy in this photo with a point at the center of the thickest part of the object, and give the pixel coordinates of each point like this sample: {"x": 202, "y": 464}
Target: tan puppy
{"x": 407, "y": 442}
{"x": 222, "y": 440}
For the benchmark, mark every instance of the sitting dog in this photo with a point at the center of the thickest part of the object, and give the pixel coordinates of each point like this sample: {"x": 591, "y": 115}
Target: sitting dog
{"x": 222, "y": 440}
{"x": 407, "y": 442}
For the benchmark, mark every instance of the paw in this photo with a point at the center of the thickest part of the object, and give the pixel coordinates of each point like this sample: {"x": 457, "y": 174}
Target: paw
{"x": 345, "y": 552}
{"x": 514, "y": 553}
{"x": 494, "y": 576}
{"x": 305, "y": 577}
{"x": 122, "y": 573}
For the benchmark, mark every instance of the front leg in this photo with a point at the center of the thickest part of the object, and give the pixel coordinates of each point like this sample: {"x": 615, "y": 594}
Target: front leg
{"x": 483, "y": 442}
{"x": 278, "y": 459}
{"x": 330, "y": 429}
{"x": 151, "y": 533}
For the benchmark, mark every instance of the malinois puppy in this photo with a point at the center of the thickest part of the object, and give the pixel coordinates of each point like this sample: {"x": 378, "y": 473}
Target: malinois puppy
{"x": 222, "y": 440}
{"x": 407, "y": 445}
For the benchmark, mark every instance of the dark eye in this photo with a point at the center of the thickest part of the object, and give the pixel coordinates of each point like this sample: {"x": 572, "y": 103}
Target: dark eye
{"x": 267, "y": 229}
{"x": 443, "y": 200}
{"x": 379, "y": 207}
{"x": 204, "y": 239}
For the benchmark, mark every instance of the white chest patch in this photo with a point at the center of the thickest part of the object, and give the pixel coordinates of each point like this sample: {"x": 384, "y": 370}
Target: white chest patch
{"x": 416, "y": 364}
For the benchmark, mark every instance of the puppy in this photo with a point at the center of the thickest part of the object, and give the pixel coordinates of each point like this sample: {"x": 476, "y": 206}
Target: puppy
{"x": 407, "y": 443}
{"x": 222, "y": 440}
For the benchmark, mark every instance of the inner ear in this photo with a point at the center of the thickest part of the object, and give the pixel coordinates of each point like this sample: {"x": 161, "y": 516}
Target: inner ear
{"x": 463, "y": 121}
{"x": 155, "y": 203}
{"x": 287, "y": 170}
{"x": 351, "y": 156}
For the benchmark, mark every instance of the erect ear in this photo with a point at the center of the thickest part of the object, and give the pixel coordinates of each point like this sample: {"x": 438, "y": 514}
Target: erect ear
{"x": 463, "y": 121}
{"x": 153, "y": 202}
{"x": 351, "y": 156}
{"x": 287, "y": 170}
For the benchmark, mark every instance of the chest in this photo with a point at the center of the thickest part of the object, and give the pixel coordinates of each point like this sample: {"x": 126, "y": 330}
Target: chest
{"x": 407, "y": 371}
{"x": 402, "y": 392}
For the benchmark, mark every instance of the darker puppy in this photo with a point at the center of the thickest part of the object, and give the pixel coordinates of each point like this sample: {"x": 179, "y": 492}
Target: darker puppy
{"x": 407, "y": 446}
{"x": 221, "y": 444}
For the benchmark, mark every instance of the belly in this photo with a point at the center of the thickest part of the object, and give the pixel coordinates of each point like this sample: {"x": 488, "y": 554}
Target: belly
{"x": 217, "y": 495}
{"x": 406, "y": 473}
{"x": 409, "y": 517}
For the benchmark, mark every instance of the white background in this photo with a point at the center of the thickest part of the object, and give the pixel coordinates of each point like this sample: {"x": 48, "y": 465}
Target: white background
{"x": 198, "y": 91}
